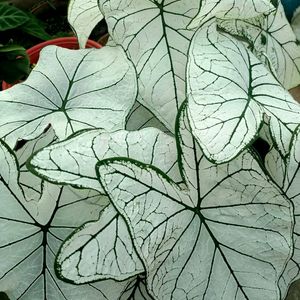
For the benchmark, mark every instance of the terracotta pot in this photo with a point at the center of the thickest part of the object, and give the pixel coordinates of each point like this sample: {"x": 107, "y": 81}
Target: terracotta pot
{"x": 66, "y": 42}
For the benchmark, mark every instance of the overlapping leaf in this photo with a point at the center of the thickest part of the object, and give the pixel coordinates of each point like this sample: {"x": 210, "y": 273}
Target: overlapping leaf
{"x": 72, "y": 161}
{"x": 155, "y": 38}
{"x": 106, "y": 243}
{"x": 83, "y": 16}
{"x": 231, "y": 9}
{"x": 229, "y": 92}
{"x": 227, "y": 235}
{"x": 287, "y": 175}
{"x": 273, "y": 41}
{"x": 88, "y": 88}
{"x": 30, "y": 240}
{"x": 100, "y": 250}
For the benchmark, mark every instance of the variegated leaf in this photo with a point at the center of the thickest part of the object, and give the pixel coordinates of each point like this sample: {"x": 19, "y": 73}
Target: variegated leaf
{"x": 230, "y": 9}
{"x": 155, "y": 38}
{"x": 88, "y": 88}
{"x": 273, "y": 41}
{"x": 83, "y": 16}
{"x": 229, "y": 92}
{"x": 226, "y": 235}
{"x": 73, "y": 161}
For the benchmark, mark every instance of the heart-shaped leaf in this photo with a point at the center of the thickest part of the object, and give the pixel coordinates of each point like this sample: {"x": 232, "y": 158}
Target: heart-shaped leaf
{"x": 229, "y": 92}
{"x": 226, "y": 235}
{"x": 83, "y": 16}
{"x": 72, "y": 161}
{"x": 230, "y": 9}
{"x": 273, "y": 41}
{"x": 90, "y": 88}
{"x": 155, "y": 38}
{"x": 286, "y": 173}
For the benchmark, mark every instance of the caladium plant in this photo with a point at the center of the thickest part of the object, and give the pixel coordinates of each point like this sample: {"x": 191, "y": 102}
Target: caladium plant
{"x": 134, "y": 171}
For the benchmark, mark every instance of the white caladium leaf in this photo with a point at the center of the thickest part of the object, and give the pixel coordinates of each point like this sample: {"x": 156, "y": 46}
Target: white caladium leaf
{"x": 30, "y": 241}
{"x": 155, "y": 38}
{"x": 230, "y": 9}
{"x": 83, "y": 16}
{"x": 90, "y": 88}
{"x": 72, "y": 161}
{"x": 286, "y": 173}
{"x": 229, "y": 92}
{"x": 273, "y": 41}
{"x": 99, "y": 250}
{"x": 296, "y": 23}
{"x": 226, "y": 235}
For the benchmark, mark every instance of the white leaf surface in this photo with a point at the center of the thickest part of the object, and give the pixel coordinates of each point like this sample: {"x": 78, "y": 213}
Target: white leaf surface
{"x": 73, "y": 161}
{"x": 83, "y": 16}
{"x": 226, "y": 235}
{"x": 156, "y": 40}
{"x": 230, "y": 9}
{"x": 286, "y": 173}
{"x": 273, "y": 41}
{"x": 88, "y": 88}
{"x": 99, "y": 250}
{"x": 229, "y": 92}
{"x": 30, "y": 241}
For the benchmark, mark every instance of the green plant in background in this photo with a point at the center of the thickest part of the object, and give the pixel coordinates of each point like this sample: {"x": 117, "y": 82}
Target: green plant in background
{"x": 12, "y": 17}
{"x": 139, "y": 176}
{"x": 14, "y": 62}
